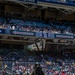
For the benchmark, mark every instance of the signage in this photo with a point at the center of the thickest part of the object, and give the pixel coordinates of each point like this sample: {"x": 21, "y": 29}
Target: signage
{"x": 32, "y": 1}
{"x": 38, "y": 34}
{"x": 45, "y": 35}
{"x": 22, "y": 33}
{"x": 50, "y": 35}
{"x": 2, "y": 31}
{"x": 64, "y": 36}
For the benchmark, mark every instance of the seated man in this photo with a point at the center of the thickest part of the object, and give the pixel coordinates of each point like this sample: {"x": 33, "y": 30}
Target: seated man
{"x": 37, "y": 70}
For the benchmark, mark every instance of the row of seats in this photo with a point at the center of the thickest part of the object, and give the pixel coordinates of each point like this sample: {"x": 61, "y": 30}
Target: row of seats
{"x": 57, "y": 24}
{"x": 54, "y": 66}
{"x": 25, "y": 25}
{"x": 28, "y": 23}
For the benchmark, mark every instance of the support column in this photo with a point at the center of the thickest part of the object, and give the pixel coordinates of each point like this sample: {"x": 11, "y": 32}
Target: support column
{"x": 43, "y": 44}
{"x": 25, "y": 50}
{"x": 37, "y": 46}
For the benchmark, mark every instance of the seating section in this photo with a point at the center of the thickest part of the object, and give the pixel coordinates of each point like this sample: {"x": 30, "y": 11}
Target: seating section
{"x": 51, "y": 64}
{"x": 37, "y": 26}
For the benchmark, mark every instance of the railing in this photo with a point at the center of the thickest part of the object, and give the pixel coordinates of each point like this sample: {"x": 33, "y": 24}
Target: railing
{"x": 38, "y": 34}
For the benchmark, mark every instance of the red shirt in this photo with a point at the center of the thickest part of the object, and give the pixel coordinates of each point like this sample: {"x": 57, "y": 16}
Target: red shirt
{"x": 63, "y": 73}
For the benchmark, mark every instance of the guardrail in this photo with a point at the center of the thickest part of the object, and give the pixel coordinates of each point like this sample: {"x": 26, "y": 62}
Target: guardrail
{"x": 37, "y": 34}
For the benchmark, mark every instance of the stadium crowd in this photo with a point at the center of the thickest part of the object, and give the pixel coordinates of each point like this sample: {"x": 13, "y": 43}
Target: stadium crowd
{"x": 51, "y": 65}
{"x": 38, "y": 26}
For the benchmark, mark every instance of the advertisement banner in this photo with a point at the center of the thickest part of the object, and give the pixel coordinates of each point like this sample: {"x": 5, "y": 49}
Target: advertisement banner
{"x": 67, "y": 36}
{"x": 31, "y": 1}
{"x": 39, "y": 34}
{"x": 25, "y": 33}
{"x": 2, "y": 31}
{"x": 50, "y": 35}
{"x": 45, "y": 35}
